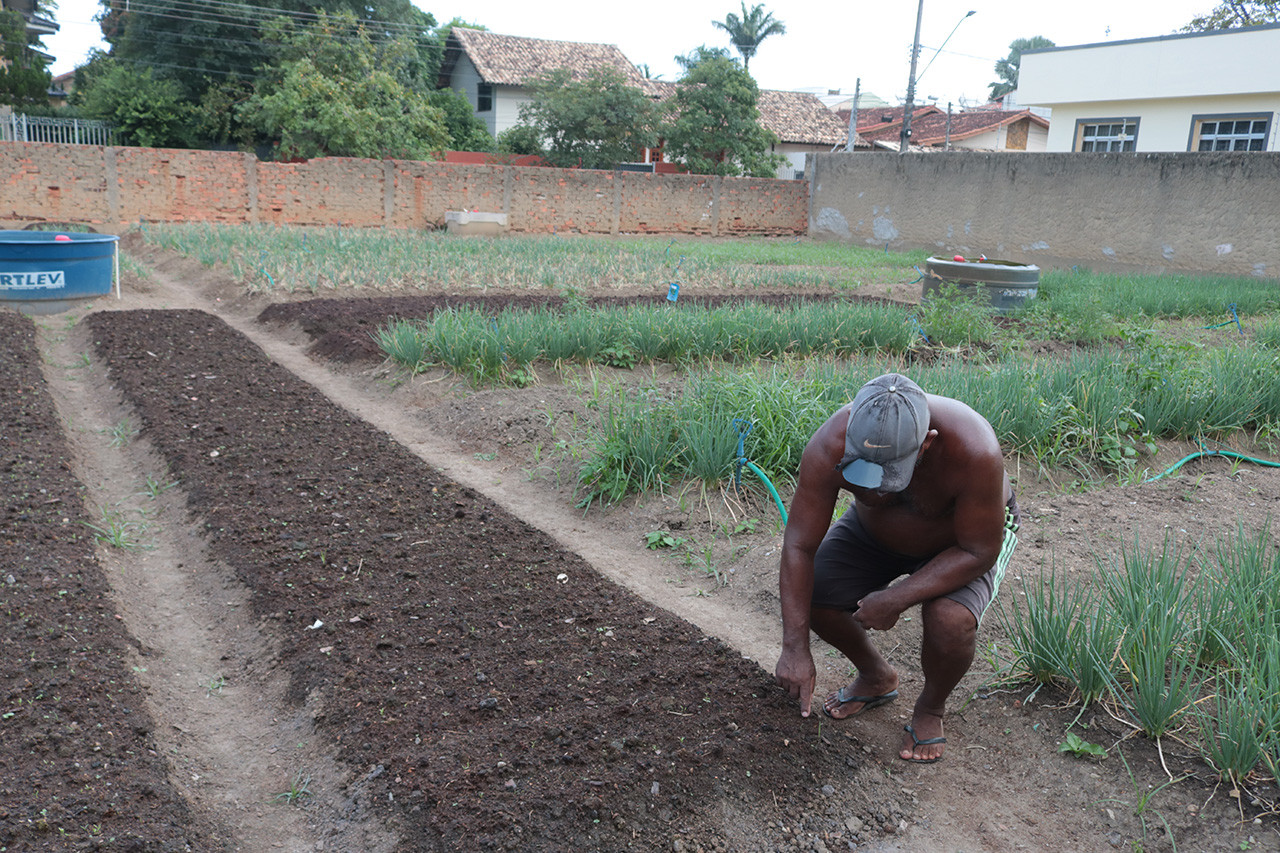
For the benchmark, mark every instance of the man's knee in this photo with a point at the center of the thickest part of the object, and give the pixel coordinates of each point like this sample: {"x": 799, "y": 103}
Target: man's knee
{"x": 945, "y": 617}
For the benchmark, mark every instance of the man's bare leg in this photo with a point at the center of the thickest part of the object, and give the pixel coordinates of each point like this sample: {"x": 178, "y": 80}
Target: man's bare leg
{"x": 948, "y": 646}
{"x": 875, "y": 676}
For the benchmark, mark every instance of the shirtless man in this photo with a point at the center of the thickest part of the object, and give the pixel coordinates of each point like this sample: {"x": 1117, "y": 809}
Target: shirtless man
{"x": 931, "y": 502}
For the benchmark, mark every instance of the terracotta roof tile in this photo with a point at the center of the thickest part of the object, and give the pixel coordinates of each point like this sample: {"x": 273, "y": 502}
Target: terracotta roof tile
{"x": 517, "y": 61}
{"x": 932, "y": 129}
{"x": 800, "y": 117}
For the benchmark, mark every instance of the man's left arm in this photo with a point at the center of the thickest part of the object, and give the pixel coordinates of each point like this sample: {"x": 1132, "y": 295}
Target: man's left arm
{"x": 979, "y": 525}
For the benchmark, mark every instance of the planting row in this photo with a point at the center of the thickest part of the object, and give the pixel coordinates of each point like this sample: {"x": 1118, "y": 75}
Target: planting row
{"x": 78, "y": 760}
{"x": 484, "y": 687}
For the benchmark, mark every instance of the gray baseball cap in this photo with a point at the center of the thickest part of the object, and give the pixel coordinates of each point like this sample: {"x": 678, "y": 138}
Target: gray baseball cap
{"x": 888, "y": 422}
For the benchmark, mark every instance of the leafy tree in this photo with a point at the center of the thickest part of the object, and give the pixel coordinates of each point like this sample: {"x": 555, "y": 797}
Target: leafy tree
{"x": 199, "y": 44}
{"x": 147, "y": 110}
{"x": 465, "y": 129}
{"x": 715, "y": 124}
{"x": 748, "y": 31}
{"x": 520, "y": 139}
{"x": 337, "y": 92}
{"x": 690, "y": 60}
{"x": 223, "y": 47}
{"x": 594, "y": 123}
{"x": 24, "y": 80}
{"x": 1236, "y": 13}
{"x": 1008, "y": 67}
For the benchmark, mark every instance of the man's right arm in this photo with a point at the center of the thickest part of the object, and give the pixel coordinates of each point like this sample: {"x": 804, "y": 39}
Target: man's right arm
{"x": 807, "y": 523}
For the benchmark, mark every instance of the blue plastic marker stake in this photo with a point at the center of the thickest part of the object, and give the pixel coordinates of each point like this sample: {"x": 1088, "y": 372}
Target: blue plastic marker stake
{"x": 673, "y": 291}
{"x": 744, "y": 427}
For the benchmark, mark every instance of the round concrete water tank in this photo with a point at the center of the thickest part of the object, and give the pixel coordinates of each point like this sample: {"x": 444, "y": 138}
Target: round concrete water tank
{"x": 1004, "y": 285}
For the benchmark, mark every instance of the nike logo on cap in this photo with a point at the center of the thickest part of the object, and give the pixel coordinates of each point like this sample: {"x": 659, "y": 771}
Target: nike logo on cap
{"x": 867, "y": 443}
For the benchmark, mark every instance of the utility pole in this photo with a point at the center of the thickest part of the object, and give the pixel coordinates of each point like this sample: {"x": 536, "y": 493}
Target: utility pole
{"x": 905, "y": 139}
{"x": 948, "y": 143}
{"x": 853, "y": 116}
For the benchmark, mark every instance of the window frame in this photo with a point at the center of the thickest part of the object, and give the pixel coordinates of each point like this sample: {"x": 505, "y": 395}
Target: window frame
{"x": 1081, "y": 123}
{"x": 1198, "y": 120}
{"x": 484, "y": 93}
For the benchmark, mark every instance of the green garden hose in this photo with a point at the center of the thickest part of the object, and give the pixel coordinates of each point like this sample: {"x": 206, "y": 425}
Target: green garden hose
{"x": 744, "y": 427}
{"x": 1230, "y": 454}
{"x": 764, "y": 479}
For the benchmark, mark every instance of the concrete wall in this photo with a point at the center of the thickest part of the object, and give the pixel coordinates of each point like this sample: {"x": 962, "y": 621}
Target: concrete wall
{"x": 1211, "y": 213}
{"x": 113, "y": 188}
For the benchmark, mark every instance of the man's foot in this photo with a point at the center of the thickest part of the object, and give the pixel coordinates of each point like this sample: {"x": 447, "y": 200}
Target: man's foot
{"x": 924, "y": 741}
{"x": 857, "y": 697}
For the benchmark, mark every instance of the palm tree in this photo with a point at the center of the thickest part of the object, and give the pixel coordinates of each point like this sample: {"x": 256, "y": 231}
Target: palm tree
{"x": 747, "y": 32}
{"x": 1008, "y": 67}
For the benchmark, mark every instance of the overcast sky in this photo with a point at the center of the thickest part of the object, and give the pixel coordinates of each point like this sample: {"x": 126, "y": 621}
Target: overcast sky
{"x": 827, "y": 45}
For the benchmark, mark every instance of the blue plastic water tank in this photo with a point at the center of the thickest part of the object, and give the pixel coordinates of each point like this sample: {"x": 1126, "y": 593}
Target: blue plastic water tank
{"x": 43, "y": 272}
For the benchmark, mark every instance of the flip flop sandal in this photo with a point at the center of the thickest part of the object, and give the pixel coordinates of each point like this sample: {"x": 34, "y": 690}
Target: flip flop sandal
{"x": 869, "y": 702}
{"x": 918, "y": 742}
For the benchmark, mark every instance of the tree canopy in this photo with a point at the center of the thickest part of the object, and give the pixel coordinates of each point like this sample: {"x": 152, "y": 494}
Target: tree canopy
{"x": 24, "y": 79}
{"x": 199, "y": 44}
{"x": 147, "y": 110}
{"x": 1236, "y": 13}
{"x": 219, "y": 53}
{"x": 746, "y": 32}
{"x": 595, "y": 123}
{"x": 715, "y": 127}
{"x": 335, "y": 91}
{"x": 1008, "y": 67}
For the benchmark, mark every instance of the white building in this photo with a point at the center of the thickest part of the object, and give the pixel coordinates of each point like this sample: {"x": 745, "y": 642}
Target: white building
{"x": 1214, "y": 91}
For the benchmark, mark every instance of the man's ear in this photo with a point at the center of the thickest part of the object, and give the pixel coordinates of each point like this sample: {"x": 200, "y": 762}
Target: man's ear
{"x": 928, "y": 441}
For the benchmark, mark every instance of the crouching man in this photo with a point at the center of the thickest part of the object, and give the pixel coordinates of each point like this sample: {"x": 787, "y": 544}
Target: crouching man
{"x": 933, "y": 506}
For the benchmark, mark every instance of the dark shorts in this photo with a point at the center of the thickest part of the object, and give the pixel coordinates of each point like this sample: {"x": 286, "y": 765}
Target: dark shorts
{"x": 849, "y": 565}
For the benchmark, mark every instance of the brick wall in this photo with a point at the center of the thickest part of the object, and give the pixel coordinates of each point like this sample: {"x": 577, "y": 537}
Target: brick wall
{"x": 112, "y": 188}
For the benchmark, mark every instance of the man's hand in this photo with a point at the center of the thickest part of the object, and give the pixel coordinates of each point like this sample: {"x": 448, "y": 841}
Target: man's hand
{"x": 798, "y": 675}
{"x": 877, "y": 611}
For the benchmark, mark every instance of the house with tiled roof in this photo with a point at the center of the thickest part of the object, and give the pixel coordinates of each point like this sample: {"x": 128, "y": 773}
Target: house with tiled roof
{"x": 969, "y": 130}
{"x": 496, "y": 73}
{"x": 933, "y": 128}
{"x": 803, "y": 125}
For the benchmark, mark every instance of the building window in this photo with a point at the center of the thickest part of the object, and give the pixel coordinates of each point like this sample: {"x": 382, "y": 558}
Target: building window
{"x": 484, "y": 98}
{"x": 1114, "y": 134}
{"x": 1230, "y": 133}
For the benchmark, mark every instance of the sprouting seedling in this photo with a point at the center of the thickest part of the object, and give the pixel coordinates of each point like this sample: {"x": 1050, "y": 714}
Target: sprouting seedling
{"x": 122, "y": 433}
{"x": 154, "y": 488}
{"x": 299, "y": 788}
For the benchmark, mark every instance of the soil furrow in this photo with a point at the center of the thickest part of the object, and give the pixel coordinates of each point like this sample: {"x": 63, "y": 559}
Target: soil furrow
{"x": 235, "y": 748}
{"x": 80, "y": 762}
